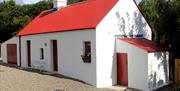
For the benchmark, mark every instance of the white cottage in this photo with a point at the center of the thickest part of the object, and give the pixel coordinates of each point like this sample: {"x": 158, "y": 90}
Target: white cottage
{"x": 83, "y": 41}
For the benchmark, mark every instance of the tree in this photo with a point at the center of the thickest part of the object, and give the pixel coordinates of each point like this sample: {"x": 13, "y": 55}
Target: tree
{"x": 164, "y": 19}
{"x": 15, "y": 17}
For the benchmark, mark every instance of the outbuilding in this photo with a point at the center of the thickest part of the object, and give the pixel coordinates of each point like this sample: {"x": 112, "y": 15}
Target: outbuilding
{"x": 142, "y": 63}
{"x": 10, "y": 51}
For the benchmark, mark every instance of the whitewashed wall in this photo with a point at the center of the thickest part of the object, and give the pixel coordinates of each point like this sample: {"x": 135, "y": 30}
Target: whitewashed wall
{"x": 123, "y": 19}
{"x": 70, "y": 47}
{"x": 13, "y": 40}
{"x": 158, "y": 69}
{"x": 137, "y": 65}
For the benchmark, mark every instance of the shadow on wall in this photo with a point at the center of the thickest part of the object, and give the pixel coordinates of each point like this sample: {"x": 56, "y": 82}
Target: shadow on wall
{"x": 132, "y": 26}
{"x": 114, "y": 65}
{"x": 159, "y": 76}
{"x": 164, "y": 63}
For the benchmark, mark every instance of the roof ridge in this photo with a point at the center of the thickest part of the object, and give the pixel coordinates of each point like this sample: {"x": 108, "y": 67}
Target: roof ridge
{"x": 46, "y": 12}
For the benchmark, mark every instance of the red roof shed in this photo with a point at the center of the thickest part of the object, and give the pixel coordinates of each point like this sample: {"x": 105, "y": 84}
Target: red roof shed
{"x": 145, "y": 44}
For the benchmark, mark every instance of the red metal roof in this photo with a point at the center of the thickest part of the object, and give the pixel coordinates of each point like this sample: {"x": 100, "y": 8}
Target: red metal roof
{"x": 83, "y": 15}
{"x": 145, "y": 44}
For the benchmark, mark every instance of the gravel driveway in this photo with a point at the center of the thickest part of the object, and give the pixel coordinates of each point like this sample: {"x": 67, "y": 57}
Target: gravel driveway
{"x": 14, "y": 79}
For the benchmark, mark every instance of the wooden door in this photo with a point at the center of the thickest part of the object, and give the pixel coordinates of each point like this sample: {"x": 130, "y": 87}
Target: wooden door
{"x": 12, "y": 53}
{"x": 122, "y": 69}
{"x": 55, "y": 55}
{"x": 29, "y": 53}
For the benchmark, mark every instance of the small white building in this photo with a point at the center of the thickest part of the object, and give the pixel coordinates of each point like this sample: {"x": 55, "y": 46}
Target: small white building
{"x": 142, "y": 62}
{"x": 83, "y": 40}
{"x": 10, "y": 51}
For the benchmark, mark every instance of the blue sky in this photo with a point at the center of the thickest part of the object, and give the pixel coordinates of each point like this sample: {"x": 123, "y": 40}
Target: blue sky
{"x": 1, "y": 0}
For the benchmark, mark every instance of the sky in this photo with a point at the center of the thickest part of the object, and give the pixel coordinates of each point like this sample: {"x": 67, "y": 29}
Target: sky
{"x": 138, "y": 1}
{"x": 21, "y": 2}
{"x": 26, "y": 1}
{"x": 1, "y": 0}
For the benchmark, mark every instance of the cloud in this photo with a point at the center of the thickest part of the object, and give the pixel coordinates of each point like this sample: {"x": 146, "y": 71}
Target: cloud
{"x": 21, "y": 2}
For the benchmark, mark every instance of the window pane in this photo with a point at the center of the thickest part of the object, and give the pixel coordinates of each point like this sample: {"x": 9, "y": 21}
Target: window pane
{"x": 87, "y": 48}
{"x": 87, "y": 52}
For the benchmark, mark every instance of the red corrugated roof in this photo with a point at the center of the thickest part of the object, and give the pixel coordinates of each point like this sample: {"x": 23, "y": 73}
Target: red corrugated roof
{"x": 145, "y": 44}
{"x": 83, "y": 15}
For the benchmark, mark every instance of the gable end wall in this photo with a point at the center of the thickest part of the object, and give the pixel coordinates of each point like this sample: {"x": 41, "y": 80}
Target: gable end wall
{"x": 123, "y": 19}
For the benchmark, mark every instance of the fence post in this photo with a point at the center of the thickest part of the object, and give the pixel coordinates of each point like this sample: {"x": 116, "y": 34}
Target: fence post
{"x": 0, "y": 50}
{"x": 177, "y": 73}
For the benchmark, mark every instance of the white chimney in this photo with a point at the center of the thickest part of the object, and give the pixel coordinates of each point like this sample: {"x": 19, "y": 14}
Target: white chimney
{"x": 60, "y": 3}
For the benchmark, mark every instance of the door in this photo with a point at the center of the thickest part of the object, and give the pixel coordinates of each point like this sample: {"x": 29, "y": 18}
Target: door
{"x": 122, "y": 69}
{"x": 55, "y": 55}
{"x": 29, "y": 53}
{"x": 12, "y": 53}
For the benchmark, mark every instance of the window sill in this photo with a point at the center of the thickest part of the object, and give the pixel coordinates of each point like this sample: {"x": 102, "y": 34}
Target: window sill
{"x": 86, "y": 60}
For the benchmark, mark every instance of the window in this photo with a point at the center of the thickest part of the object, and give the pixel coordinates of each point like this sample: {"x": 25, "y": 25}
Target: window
{"x": 86, "y": 57}
{"x": 41, "y": 53}
{"x": 87, "y": 46}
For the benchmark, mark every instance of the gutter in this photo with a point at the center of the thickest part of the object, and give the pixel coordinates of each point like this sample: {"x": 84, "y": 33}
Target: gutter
{"x": 20, "y": 51}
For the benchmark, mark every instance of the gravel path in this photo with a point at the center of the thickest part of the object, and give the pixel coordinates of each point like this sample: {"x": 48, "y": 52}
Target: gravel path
{"x": 14, "y": 79}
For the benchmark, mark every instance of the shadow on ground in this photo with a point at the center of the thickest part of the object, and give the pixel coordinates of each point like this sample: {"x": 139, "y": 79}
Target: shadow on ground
{"x": 39, "y": 72}
{"x": 166, "y": 88}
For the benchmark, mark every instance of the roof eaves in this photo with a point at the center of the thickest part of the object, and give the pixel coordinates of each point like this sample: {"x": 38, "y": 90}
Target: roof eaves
{"x": 57, "y": 31}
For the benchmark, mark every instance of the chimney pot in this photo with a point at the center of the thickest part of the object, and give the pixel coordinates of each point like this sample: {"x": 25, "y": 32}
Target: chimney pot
{"x": 60, "y": 3}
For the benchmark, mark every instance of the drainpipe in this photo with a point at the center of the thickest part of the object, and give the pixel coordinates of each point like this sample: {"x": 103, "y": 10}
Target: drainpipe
{"x": 20, "y": 51}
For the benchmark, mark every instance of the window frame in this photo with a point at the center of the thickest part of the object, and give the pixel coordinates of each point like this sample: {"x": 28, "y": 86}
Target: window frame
{"x": 86, "y": 57}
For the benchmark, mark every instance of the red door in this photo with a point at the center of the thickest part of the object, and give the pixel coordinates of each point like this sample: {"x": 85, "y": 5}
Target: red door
{"x": 12, "y": 53}
{"x": 122, "y": 69}
{"x": 55, "y": 59}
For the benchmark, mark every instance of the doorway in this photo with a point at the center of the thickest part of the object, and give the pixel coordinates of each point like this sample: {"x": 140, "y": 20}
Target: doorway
{"x": 29, "y": 53}
{"x": 12, "y": 53}
{"x": 122, "y": 69}
{"x": 54, "y": 55}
